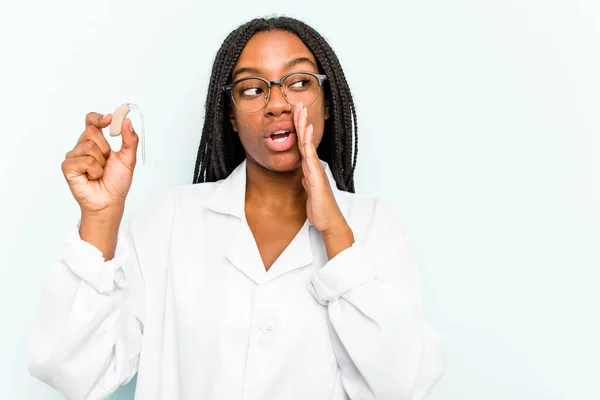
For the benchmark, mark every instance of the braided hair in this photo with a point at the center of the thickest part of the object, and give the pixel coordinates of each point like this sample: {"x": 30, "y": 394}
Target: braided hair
{"x": 221, "y": 151}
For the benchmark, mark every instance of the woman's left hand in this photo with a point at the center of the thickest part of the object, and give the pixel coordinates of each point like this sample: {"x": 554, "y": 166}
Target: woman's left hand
{"x": 322, "y": 210}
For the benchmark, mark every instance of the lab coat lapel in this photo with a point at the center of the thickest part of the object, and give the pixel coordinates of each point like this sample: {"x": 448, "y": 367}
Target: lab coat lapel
{"x": 229, "y": 199}
{"x": 244, "y": 254}
{"x": 299, "y": 252}
{"x": 296, "y": 255}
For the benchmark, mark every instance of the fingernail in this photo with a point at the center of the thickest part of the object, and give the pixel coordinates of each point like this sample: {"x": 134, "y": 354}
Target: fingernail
{"x": 130, "y": 127}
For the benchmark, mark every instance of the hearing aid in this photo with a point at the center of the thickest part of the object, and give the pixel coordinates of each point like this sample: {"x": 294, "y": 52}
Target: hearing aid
{"x": 117, "y": 121}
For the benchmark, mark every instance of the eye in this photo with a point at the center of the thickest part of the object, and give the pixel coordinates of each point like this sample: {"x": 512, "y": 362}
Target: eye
{"x": 250, "y": 89}
{"x": 255, "y": 91}
{"x": 299, "y": 84}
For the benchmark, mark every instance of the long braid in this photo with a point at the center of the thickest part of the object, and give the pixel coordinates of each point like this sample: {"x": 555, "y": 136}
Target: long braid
{"x": 220, "y": 149}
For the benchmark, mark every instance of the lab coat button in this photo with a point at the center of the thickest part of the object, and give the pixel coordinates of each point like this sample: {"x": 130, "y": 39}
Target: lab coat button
{"x": 268, "y": 329}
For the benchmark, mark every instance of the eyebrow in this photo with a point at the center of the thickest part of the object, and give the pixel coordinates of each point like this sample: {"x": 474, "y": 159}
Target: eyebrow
{"x": 289, "y": 64}
{"x": 300, "y": 60}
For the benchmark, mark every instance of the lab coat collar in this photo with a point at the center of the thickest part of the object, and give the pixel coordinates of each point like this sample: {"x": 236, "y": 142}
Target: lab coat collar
{"x": 229, "y": 199}
{"x": 230, "y": 196}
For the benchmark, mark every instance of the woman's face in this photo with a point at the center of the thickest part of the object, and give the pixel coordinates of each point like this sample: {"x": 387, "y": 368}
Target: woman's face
{"x": 271, "y": 55}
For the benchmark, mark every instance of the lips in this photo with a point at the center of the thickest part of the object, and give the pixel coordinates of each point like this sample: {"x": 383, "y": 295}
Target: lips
{"x": 279, "y": 127}
{"x": 280, "y": 136}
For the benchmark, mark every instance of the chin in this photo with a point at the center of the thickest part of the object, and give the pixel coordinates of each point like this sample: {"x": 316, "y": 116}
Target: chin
{"x": 282, "y": 162}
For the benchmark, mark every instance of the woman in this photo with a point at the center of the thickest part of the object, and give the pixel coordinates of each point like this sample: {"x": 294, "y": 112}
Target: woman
{"x": 267, "y": 278}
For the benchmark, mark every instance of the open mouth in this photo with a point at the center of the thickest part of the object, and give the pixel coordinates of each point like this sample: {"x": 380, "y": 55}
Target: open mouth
{"x": 280, "y": 135}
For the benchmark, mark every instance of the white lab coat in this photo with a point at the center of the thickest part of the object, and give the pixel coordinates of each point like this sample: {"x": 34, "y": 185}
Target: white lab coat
{"x": 186, "y": 302}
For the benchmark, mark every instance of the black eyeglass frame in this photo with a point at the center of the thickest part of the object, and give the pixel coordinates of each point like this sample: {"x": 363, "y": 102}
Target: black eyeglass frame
{"x": 229, "y": 87}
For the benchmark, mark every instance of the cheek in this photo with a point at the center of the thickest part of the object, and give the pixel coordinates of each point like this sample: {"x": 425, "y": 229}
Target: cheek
{"x": 246, "y": 123}
{"x": 249, "y": 129}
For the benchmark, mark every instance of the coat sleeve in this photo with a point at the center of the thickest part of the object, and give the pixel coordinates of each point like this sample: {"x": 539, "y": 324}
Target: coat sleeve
{"x": 87, "y": 332}
{"x": 383, "y": 346}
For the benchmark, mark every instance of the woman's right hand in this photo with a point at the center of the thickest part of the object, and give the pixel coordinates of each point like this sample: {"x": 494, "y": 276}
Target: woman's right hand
{"x": 98, "y": 177}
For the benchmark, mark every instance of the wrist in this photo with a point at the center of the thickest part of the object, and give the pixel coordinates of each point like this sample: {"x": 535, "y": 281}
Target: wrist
{"x": 337, "y": 240}
{"x": 101, "y": 230}
{"x": 106, "y": 216}
{"x": 338, "y": 228}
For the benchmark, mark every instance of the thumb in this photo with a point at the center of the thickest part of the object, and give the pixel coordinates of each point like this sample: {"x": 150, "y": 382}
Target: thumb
{"x": 130, "y": 140}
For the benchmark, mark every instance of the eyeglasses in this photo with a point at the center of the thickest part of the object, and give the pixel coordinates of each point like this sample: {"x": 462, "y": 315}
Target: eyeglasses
{"x": 251, "y": 94}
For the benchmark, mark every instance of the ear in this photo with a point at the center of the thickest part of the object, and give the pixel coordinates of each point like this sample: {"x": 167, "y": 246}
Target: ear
{"x": 233, "y": 120}
{"x": 326, "y": 113}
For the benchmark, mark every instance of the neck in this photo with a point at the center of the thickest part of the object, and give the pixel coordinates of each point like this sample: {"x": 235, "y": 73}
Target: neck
{"x": 271, "y": 192}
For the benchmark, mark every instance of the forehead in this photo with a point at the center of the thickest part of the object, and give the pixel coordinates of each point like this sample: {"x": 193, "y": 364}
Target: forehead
{"x": 270, "y": 51}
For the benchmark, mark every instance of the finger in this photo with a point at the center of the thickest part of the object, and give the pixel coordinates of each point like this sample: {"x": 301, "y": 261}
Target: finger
{"x": 310, "y": 152}
{"x": 97, "y": 120}
{"x": 94, "y": 134}
{"x": 306, "y": 185}
{"x": 82, "y": 165}
{"x": 310, "y": 155}
{"x": 310, "y": 179}
{"x": 306, "y": 171}
{"x": 88, "y": 148}
{"x": 130, "y": 140}
{"x": 313, "y": 170}
{"x": 298, "y": 115}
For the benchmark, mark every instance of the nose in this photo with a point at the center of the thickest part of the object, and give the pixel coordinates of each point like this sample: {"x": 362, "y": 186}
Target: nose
{"x": 277, "y": 104}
